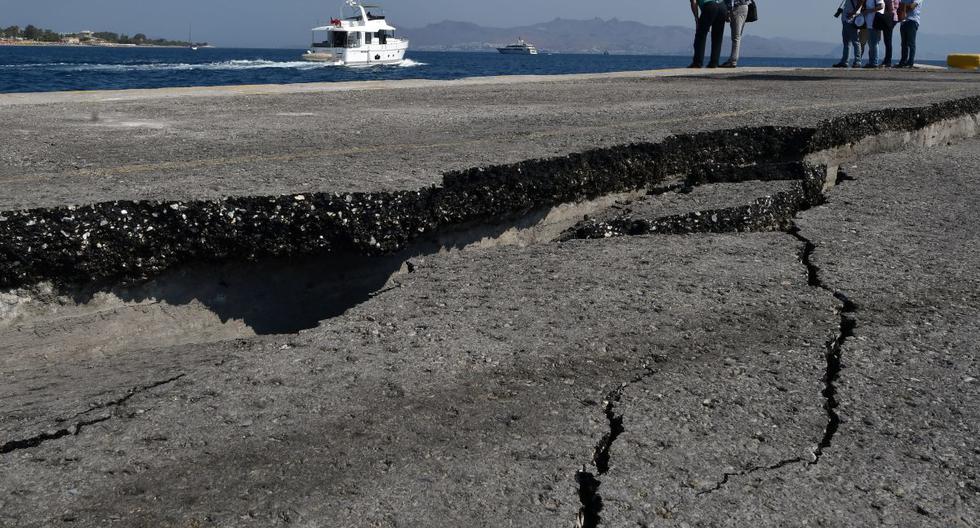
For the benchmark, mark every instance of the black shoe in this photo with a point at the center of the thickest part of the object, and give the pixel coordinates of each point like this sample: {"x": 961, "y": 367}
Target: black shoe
{"x": 870, "y": 67}
{"x": 886, "y": 65}
{"x": 729, "y": 64}
{"x": 713, "y": 65}
{"x": 694, "y": 65}
{"x": 841, "y": 65}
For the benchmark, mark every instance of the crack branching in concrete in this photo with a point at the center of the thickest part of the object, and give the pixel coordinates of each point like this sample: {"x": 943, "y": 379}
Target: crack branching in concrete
{"x": 76, "y": 428}
{"x": 728, "y": 476}
{"x": 833, "y": 346}
{"x": 810, "y": 195}
{"x": 587, "y": 481}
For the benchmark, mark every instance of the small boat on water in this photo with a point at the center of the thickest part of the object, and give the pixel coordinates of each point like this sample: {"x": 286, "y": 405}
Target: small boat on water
{"x": 521, "y": 47}
{"x": 364, "y": 39}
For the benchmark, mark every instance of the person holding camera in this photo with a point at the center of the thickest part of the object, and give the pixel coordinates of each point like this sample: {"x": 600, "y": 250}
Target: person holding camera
{"x": 910, "y": 11}
{"x": 712, "y": 17}
{"x": 848, "y": 13}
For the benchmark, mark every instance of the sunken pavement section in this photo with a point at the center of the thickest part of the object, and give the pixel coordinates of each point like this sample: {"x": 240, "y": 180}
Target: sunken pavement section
{"x": 732, "y": 340}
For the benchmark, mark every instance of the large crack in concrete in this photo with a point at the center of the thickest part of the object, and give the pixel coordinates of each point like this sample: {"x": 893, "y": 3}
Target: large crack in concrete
{"x": 173, "y": 267}
{"x": 833, "y": 355}
{"x": 77, "y": 425}
{"x": 127, "y": 241}
{"x": 131, "y": 242}
{"x": 834, "y": 346}
{"x": 754, "y": 218}
{"x": 588, "y": 482}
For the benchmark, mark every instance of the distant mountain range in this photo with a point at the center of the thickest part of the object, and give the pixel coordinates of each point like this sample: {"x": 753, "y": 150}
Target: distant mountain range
{"x": 625, "y": 37}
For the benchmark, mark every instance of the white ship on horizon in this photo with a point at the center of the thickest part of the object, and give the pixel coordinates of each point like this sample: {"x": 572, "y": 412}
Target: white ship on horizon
{"x": 364, "y": 39}
{"x": 521, "y": 47}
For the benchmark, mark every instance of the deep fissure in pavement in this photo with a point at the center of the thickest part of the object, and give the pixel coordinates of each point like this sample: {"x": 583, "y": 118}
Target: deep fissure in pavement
{"x": 132, "y": 241}
{"x": 136, "y": 241}
{"x": 76, "y": 428}
{"x": 587, "y": 481}
{"x": 809, "y": 193}
{"x": 128, "y": 242}
{"x": 834, "y": 346}
{"x": 588, "y": 491}
{"x": 34, "y": 441}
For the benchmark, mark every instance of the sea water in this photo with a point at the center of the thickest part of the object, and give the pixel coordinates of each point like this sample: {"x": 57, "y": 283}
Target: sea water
{"x": 45, "y": 69}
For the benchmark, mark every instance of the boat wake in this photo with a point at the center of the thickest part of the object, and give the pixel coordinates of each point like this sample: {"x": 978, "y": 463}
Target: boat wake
{"x": 159, "y": 66}
{"x": 231, "y": 65}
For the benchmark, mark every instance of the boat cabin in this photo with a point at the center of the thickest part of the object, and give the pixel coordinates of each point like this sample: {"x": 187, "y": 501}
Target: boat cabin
{"x": 366, "y": 27}
{"x": 365, "y": 39}
{"x": 339, "y": 38}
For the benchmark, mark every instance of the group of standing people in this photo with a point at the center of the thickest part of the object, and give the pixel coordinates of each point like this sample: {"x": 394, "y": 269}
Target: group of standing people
{"x": 866, "y": 23}
{"x": 711, "y": 16}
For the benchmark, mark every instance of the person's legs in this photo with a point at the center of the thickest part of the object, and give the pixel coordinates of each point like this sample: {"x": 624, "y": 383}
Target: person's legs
{"x": 855, "y": 36}
{"x": 887, "y": 35}
{"x": 738, "y": 25}
{"x": 845, "y": 35}
{"x": 904, "y": 33}
{"x": 874, "y": 36}
{"x": 913, "y": 33}
{"x": 701, "y": 38}
{"x": 720, "y": 13}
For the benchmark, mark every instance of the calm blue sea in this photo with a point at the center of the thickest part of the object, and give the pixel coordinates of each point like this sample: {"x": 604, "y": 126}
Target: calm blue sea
{"x": 45, "y": 69}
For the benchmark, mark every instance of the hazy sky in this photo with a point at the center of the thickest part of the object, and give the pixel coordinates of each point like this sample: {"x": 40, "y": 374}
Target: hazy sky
{"x": 277, "y": 23}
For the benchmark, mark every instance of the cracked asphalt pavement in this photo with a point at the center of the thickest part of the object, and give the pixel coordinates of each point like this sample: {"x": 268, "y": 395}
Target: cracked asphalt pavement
{"x": 686, "y": 376}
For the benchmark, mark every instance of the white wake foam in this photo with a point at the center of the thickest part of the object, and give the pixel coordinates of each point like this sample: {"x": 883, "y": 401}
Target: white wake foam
{"x": 256, "y": 64}
{"x": 409, "y": 63}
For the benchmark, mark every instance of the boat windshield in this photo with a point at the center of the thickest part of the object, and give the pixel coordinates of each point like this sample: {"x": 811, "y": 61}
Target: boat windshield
{"x": 340, "y": 39}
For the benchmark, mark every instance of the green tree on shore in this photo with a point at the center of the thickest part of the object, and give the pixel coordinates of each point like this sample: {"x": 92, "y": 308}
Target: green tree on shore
{"x": 32, "y": 32}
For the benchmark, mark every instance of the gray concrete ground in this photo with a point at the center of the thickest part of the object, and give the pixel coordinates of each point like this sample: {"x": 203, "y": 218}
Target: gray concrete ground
{"x": 60, "y": 150}
{"x": 472, "y": 390}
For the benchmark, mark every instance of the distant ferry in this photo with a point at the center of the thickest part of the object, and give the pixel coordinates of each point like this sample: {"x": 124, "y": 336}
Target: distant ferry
{"x": 522, "y": 47}
{"x": 365, "y": 39}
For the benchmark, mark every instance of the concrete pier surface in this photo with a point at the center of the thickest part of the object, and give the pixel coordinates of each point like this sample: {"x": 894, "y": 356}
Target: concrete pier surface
{"x": 781, "y": 330}
{"x": 82, "y": 147}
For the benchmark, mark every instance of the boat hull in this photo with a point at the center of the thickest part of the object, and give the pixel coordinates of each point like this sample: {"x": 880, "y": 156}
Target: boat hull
{"x": 320, "y": 57}
{"x": 381, "y": 55}
{"x": 506, "y": 51}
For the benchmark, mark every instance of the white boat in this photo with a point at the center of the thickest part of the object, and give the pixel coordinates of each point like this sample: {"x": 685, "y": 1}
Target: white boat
{"x": 365, "y": 39}
{"x": 190, "y": 40}
{"x": 521, "y": 47}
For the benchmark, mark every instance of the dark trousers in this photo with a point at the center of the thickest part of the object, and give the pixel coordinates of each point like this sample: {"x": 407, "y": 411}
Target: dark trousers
{"x": 712, "y": 19}
{"x": 910, "y": 29}
{"x": 886, "y": 35}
